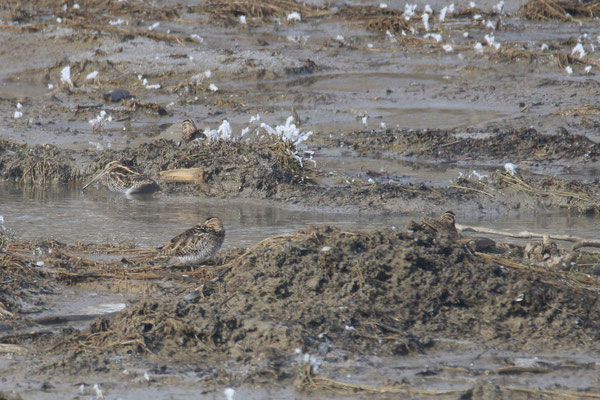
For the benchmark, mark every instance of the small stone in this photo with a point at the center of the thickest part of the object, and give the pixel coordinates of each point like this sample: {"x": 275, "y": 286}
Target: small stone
{"x": 117, "y": 95}
{"x": 596, "y": 269}
{"x": 47, "y": 386}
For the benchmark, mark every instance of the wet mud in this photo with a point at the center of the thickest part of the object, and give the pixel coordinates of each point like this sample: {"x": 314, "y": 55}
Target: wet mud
{"x": 270, "y": 170}
{"x": 526, "y": 145}
{"x": 335, "y": 294}
{"x": 337, "y": 108}
{"x": 348, "y": 289}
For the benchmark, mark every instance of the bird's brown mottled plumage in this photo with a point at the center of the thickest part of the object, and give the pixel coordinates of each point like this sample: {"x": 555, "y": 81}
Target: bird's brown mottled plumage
{"x": 197, "y": 244}
{"x": 120, "y": 178}
{"x": 445, "y": 225}
{"x": 190, "y": 131}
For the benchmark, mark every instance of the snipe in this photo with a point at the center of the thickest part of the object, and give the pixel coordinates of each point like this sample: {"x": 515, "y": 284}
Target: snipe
{"x": 122, "y": 179}
{"x": 197, "y": 244}
{"x": 190, "y": 132}
{"x": 445, "y": 225}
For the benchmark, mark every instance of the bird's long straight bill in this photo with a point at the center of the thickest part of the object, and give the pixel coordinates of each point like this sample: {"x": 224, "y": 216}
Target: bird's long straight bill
{"x": 100, "y": 175}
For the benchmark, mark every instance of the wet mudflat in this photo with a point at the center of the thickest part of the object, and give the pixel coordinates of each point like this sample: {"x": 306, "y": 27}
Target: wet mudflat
{"x": 330, "y": 140}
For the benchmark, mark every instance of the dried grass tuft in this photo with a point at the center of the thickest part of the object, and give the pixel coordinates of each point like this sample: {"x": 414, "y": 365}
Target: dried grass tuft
{"x": 569, "y": 11}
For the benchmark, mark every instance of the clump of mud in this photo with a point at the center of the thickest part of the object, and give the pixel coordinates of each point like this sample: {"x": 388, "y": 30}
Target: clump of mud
{"x": 31, "y": 270}
{"x": 92, "y": 9}
{"x": 381, "y": 292}
{"x": 228, "y": 167}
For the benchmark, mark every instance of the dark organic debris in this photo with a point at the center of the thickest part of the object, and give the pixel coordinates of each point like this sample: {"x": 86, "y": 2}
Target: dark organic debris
{"x": 307, "y": 68}
{"x": 514, "y": 145}
{"x": 549, "y": 192}
{"x": 228, "y": 167}
{"x": 134, "y": 105}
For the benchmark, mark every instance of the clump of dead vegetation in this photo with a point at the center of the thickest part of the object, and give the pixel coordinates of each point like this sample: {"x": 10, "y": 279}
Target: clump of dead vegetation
{"x": 229, "y": 12}
{"x": 586, "y": 110}
{"x": 546, "y": 10}
{"x": 39, "y": 165}
{"x": 500, "y": 144}
{"x": 375, "y": 18}
{"x": 311, "y": 381}
{"x": 227, "y": 166}
{"x": 90, "y": 10}
{"x": 549, "y": 192}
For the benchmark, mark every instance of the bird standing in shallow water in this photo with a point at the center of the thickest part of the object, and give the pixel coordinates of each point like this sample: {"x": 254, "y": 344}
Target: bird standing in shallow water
{"x": 190, "y": 131}
{"x": 122, "y": 179}
{"x": 197, "y": 244}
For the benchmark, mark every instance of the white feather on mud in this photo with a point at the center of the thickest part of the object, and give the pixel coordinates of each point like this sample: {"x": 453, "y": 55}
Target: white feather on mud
{"x": 65, "y": 76}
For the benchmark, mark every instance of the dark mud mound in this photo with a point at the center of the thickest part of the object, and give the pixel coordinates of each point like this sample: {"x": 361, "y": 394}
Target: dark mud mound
{"x": 500, "y": 192}
{"x": 92, "y": 9}
{"x": 227, "y": 167}
{"x": 378, "y": 198}
{"x": 383, "y": 292}
{"x": 9, "y": 145}
{"x": 515, "y": 145}
{"x": 31, "y": 270}
{"x": 516, "y": 192}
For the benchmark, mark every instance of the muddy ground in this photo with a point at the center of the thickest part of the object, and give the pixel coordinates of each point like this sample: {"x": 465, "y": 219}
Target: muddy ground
{"x": 393, "y": 100}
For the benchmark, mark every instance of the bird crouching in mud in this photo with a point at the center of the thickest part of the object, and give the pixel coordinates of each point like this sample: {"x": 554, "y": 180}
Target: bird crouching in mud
{"x": 196, "y": 245}
{"x": 445, "y": 225}
{"x": 122, "y": 179}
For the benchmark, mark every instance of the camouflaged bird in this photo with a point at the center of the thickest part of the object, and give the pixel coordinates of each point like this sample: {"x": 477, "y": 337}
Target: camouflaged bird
{"x": 122, "y": 179}
{"x": 445, "y": 225}
{"x": 189, "y": 131}
{"x": 195, "y": 245}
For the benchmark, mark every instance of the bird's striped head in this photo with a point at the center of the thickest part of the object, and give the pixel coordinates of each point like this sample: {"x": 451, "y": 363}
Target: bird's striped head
{"x": 188, "y": 127}
{"x": 214, "y": 224}
{"x": 448, "y": 218}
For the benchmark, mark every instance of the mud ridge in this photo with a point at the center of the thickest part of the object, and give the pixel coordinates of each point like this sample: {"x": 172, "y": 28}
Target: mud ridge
{"x": 382, "y": 292}
{"x": 454, "y": 145}
{"x": 271, "y": 171}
